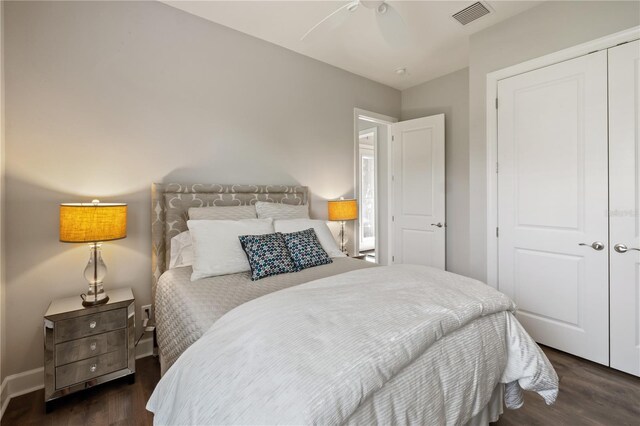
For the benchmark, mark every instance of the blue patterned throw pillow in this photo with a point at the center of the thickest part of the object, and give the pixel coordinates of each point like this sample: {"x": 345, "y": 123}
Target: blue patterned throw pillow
{"x": 305, "y": 249}
{"x": 267, "y": 255}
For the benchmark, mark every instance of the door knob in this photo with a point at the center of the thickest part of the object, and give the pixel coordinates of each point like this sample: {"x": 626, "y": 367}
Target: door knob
{"x": 596, "y": 245}
{"x": 439, "y": 224}
{"x": 621, "y": 248}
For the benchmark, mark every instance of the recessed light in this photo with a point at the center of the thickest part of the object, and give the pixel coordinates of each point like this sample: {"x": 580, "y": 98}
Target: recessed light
{"x": 401, "y": 71}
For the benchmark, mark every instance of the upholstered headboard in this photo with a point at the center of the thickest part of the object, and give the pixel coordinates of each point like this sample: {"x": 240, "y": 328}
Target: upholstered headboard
{"x": 170, "y": 203}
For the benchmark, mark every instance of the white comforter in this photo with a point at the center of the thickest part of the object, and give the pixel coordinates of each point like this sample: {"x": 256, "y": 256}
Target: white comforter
{"x": 318, "y": 352}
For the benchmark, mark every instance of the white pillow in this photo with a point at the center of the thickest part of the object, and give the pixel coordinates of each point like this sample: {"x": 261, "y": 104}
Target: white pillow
{"x": 222, "y": 213}
{"x": 325, "y": 237}
{"x": 216, "y": 247}
{"x": 181, "y": 250}
{"x": 281, "y": 211}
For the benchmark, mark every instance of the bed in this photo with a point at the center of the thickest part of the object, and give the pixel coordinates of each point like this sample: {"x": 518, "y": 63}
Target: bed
{"x": 184, "y": 310}
{"x": 339, "y": 343}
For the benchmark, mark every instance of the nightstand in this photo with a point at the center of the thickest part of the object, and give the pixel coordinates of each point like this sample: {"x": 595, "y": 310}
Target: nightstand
{"x": 84, "y": 347}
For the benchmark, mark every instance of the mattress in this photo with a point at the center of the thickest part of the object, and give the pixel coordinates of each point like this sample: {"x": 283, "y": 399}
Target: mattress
{"x": 186, "y": 309}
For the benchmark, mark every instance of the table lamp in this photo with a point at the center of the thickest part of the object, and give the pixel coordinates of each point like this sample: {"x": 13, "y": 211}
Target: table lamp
{"x": 93, "y": 223}
{"x": 342, "y": 210}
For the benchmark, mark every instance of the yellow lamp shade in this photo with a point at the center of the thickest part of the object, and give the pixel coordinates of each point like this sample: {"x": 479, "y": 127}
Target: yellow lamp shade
{"x": 343, "y": 210}
{"x": 92, "y": 222}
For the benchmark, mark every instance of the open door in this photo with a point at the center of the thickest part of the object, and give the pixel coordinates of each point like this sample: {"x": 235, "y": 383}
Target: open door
{"x": 418, "y": 219}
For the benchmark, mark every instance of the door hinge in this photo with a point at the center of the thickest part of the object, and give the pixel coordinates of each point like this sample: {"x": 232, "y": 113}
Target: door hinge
{"x": 393, "y": 218}
{"x": 496, "y": 103}
{"x": 393, "y": 138}
{"x": 496, "y": 167}
{"x": 497, "y": 232}
{"x": 393, "y": 258}
{"x": 393, "y": 178}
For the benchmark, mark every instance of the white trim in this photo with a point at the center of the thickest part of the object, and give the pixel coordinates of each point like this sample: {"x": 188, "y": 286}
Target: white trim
{"x": 33, "y": 380}
{"x": 144, "y": 348}
{"x": 4, "y": 398}
{"x": 492, "y": 126}
{"x": 374, "y": 117}
{"x": 20, "y": 384}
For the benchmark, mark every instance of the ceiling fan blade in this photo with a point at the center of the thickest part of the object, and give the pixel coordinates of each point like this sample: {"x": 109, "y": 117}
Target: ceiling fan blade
{"x": 334, "y": 20}
{"x": 392, "y": 26}
{"x": 371, "y": 4}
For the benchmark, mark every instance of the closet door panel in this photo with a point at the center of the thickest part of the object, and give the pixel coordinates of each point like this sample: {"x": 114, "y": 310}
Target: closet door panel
{"x": 624, "y": 157}
{"x": 552, "y": 196}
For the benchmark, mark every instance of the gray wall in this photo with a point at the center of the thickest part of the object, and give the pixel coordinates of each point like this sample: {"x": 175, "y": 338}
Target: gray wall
{"x": 544, "y": 29}
{"x": 449, "y": 95}
{"x": 104, "y": 98}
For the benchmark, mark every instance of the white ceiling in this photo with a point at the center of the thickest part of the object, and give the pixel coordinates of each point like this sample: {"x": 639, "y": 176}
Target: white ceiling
{"x": 438, "y": 44}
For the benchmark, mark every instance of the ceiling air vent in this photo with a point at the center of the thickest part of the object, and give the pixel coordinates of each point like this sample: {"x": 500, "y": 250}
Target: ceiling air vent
{"x": 471, "y": 13}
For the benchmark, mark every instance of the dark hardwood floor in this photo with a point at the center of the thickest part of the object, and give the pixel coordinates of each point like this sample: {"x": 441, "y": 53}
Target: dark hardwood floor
{"x": 113, "y": 403}
{"x": 590, "y": 394}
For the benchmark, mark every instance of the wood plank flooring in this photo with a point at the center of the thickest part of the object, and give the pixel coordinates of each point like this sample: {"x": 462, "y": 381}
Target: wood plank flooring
{"x": 590, "y": 394}
{"x": 113, "y": 403}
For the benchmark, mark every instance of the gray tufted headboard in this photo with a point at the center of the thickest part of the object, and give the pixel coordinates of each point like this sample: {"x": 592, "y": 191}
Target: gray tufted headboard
{"x": 170, "y": 203}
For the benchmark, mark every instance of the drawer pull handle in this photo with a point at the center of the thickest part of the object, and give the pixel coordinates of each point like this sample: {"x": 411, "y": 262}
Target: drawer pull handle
{"x": 92, "y": 324}
{"x": 93, "y": 368}
{"x": 93, "y": 346}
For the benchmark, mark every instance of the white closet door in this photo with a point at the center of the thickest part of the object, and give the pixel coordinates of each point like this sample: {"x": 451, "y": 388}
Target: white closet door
{"x": 624, "y": 155}
{"x": 418, "y": 191}
{"x": 552, "y": 197}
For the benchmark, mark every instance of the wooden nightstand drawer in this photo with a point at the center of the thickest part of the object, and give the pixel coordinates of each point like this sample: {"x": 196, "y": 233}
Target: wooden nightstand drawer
{"x": 75, "y": 350}
{"x": 90, "y": 368}
{"x": 88, "y": 325}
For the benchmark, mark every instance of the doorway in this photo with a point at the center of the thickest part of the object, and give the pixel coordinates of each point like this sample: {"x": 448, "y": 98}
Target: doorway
{"x": 367, "y": 142}
{"x": 371, "y": 233}
{"x": 399, "y": 185}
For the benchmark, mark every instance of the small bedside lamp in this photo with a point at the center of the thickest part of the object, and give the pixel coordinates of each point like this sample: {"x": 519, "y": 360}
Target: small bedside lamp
{"x": 93, "y": 223}
{"x": 343, "y": 210}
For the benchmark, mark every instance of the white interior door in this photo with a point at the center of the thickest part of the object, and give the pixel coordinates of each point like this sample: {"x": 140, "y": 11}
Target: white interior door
{"x": 624, "y": 196}
{"x": 418, "y": 191}
{"x": 552, "y": 198}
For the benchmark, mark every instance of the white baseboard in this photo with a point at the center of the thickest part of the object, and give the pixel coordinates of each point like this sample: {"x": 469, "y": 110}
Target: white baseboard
{"x": 4, "y": 397}
{"x": 33, "y": 380}
{"x": 19, "y": 384}
{"x": 144, "y": 348}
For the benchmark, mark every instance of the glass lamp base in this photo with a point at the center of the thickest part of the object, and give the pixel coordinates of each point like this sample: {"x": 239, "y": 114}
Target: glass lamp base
{"x": 93, "y": 301}
{"x": 94, "y": 273}
{"x": 343, "y": 239}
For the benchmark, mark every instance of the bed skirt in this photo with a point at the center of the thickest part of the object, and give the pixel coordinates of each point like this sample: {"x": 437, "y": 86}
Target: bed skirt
{"x": 492, "y": 411}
